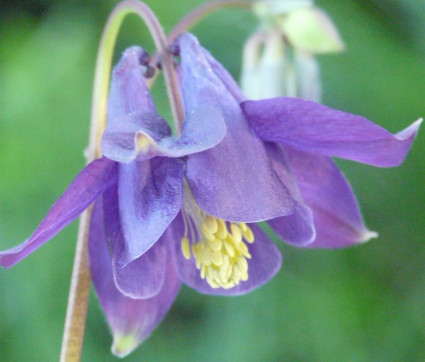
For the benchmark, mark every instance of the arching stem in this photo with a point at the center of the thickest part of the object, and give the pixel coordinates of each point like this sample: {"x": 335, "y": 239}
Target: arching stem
{"x": 202, "y": 11}
{"x": 80, "y": 282}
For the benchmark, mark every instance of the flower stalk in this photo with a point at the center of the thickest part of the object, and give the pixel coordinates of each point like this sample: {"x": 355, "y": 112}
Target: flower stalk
{"x": 80, "y": 281}
{"x": 202, "y": 11}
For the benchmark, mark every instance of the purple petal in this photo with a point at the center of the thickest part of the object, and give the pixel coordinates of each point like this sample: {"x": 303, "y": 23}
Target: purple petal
{"x": 89, "y": 183}
{"x": 234, "y": 180}
{"x": 298, "y": 228}
{"x": 314, "y": 128}
{"x": 135, "y": 131}
{"x": 129, "y": 93}
{"x": 200, "y": 84}
{"x": 134, "y": 137}
{"x": 203, "y": 128}
{"x": 150, "y": 196}
{"x": 224, "y": 76}
{"x": 264, "y": 264}
{"x": 126, "y": 140}
{"x": 335, "y": 209}
{"x": 130, "y": 110}
{"x": 143, "y": 277}
{"x": 131, "y": 320}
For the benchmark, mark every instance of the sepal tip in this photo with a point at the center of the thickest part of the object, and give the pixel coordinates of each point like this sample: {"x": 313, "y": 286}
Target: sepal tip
{"x": 367, "y": 235}
{"x": 123, "y": 345}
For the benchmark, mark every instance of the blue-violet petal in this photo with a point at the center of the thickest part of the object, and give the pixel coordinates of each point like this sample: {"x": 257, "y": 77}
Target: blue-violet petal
{"x": 89, "y": 183}
{"x": 131, "y": 320}
{"x": 315, "y": 128}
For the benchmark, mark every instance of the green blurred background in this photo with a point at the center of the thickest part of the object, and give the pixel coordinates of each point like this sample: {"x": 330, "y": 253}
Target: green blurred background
{"x": 360, "y": 304}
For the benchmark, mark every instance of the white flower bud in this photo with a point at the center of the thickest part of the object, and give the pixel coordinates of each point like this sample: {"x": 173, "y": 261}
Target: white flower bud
{"x": 311, "y": 30}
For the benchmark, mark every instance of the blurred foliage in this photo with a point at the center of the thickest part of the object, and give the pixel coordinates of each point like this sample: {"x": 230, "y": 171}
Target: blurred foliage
{"x": 360, "y": 304}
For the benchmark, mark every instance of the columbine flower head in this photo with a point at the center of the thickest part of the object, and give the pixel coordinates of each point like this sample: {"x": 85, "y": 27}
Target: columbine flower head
{"x": 170, "y": 210}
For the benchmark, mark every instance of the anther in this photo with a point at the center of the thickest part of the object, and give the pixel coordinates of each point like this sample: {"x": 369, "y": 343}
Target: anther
{"x": 220, "y": 254}
{"x": 236, "y": 232}
{"x": 219, "y": 248}
{"x": 186, "y": 248}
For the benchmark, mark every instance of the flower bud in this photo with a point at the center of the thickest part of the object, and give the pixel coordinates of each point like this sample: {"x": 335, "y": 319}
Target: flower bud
{"x": 278, "y": 59}
{"x": 311, "y": 30}
{"x": 267, "y": 70}
{"x": 273, "y": 8}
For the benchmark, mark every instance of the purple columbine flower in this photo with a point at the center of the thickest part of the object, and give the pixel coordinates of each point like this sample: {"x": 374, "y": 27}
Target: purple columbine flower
{"x": 184, "y": 209}
{"x": 300, "y": 136}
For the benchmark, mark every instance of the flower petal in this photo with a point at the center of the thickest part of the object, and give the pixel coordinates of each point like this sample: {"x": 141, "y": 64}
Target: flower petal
{"x": 234, "y": 180}
{"x": 265, "y": 262}
{"x": 127, "y": 138}
{"x": 129, "y": 93}
{"x": 318, "y": 129}
{"x": 135, "y": 131}
{"x": 131, "y": 320}
{"x": 143, "y": 277}
{"x": 203, "y": 128}
{"x": 336, "y": 213}
{"x": 130, "y": 109}
{"x": 89, "y": 183}
{"x": 298, "y": 228}
{"x": 224, "y": 76}
{"x": 150, "y": 196}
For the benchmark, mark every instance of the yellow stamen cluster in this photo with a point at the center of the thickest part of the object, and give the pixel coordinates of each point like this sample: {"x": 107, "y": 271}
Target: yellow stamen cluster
{"x": 221, "y": 254}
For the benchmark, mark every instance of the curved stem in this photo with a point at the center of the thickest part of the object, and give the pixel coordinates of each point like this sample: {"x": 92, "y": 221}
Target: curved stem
{"x": 202, "y": 11}
{"x": 80, "y": 281}
{"x": 197, "y": 15}
{"x": 104, "y": 61}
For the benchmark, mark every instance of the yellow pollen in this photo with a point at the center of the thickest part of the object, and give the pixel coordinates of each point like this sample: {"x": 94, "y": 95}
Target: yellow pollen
{"x": 186, "y": 248}
{"x": 221, "y": 253}
{"x": 247, "y": 232}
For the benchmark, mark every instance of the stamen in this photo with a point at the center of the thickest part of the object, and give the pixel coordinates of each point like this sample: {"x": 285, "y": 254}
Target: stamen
{"x": 220, "y": 254}
{"x": 221, "y": 229}
{"x": 219, "y": 247}
{"x": 236, "y": 232}
{"x": 211, "y": 224}
{"x": 186, "y": 248}
{"x": 247, "y": 233}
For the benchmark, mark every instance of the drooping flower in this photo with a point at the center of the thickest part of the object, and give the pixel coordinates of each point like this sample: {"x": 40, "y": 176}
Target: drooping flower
{"x": 184, "y": 209}
{"x": 301, "y": 136}
{"x": 279, "y": 61}
{"x": 164, "y": 182}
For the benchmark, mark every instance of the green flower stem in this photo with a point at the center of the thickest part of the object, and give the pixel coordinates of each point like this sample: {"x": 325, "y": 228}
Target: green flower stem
{"x": 202, "y": 11}
{"x": 80, "y": 282}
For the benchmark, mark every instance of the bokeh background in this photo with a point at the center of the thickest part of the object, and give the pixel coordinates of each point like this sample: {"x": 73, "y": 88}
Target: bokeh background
{"x": 365, "y": 303}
